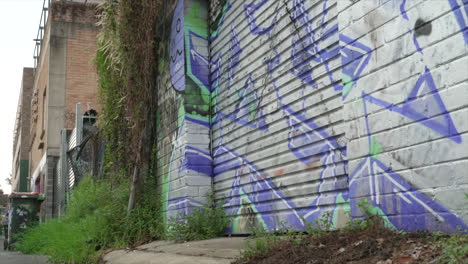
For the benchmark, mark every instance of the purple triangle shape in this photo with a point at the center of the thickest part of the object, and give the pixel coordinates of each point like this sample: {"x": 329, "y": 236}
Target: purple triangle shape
{"x": 425, "y": 105}
{"x": 354, "y": 57}
{"x": 404, "y": 206}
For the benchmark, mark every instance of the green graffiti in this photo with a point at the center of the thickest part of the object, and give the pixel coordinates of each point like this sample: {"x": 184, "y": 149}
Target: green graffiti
{"x": 342, "y": 206}
{"x": 214, "y": 34}
{"x": 235, "y": 223}
{"x": 165, "y": 171}
{"x": 253, "y": 110}
{"x": 181, "y": 114}
{"x": 348, "y": 84}
{"x": 375, "y": 148}
{"x": 165, "y": 184}
{"x": 197, "y": 97}
{"x": 359, "y": 103}
{"x": 374, "y": 210}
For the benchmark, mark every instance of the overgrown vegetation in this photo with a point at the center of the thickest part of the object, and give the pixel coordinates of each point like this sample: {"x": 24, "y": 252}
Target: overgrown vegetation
{"x": 454, "y": 248}
{"x": 262, "y": 241}
{"x": 126, "y": 64}
{"x": 367, "y": 240}
{"x": 123, "y": 208}
{"x": 205, "y": 222}
{"x": 96, "y": 219}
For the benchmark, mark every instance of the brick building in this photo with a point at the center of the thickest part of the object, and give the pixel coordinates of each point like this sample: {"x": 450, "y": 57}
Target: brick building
{"x": 64, "y": 75}
{"x": 20, "y": 166}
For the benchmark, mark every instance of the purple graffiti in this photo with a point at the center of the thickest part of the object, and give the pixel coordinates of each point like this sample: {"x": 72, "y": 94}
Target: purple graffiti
{"x": 306, "y": 46}
{"x": 257, "y": 188}
{"x": 403, "y": 10}
{"x": 424, "y": 105}
{"x": 460, "y": 10}
{"x": 182, "y": 206}
{"x": 235, "y": 53}
{"x": 250, "y": 10}
{"x": 199, "y": 59}
{"x": 215, "y": 72}
{"x": 177, "y": 59}
{"x": 406, "y": 208}
{"x": 248, "y": 107}
{"x": 311, "y": 143}
{"x": 324, "y": 13}
{"x": 306, "y": 140}
{"x": 403, "y": 205}
{"x": 300, "y": 59}
{"x": 416, "y": 43}
{"x": 355, "y": 57}
{"x": 196, "y": 160}
{"x": 246, "y": 112}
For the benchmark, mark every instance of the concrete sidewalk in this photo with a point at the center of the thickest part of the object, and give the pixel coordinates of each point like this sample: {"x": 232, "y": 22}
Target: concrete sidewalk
{"x": 212, "y": 251}
{"x": 12, "y": 257}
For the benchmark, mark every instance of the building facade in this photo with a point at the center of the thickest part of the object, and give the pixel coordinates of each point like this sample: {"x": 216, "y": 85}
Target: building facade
{"x": 20, "y": 166}
{"x": 64, "y": 76}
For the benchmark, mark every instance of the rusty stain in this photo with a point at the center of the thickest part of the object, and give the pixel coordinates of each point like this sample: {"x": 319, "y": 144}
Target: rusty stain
{"x": 278, "y": 172}
{"x": 313, "y": 164}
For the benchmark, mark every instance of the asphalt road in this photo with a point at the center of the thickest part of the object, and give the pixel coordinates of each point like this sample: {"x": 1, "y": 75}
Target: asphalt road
{"x": 11, "y": 257}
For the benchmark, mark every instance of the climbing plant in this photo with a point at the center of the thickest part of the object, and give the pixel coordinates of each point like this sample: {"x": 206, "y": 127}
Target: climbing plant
{"x": 126, "y": 67}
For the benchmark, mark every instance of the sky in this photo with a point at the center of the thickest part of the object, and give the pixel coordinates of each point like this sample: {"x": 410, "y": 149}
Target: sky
{"x": 19, "y": 22}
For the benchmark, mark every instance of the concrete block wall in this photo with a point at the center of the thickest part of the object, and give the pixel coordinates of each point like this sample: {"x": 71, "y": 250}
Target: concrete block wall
{"x": 406, "y": 109}
{"x": 184, "y": 160}
{"x": 315, "y": 106}
{"x": 278, "y": 132}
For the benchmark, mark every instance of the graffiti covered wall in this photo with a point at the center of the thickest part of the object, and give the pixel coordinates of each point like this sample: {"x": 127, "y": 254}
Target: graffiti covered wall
{"x": 279, "y": 146}
{"x": 184, "y": 160}
{"x": 299, "y": 110}
{"x": 406, "y": 110}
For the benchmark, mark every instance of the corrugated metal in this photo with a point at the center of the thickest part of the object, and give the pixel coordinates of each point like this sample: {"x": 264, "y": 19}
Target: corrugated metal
{"x": 71, "y": 145}
{"x": 72, "y": 139}
{"x": 278, "y": 132}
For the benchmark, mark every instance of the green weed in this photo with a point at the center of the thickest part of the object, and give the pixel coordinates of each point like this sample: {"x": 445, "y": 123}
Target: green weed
{"x": 261, "y": 243}
{"x": 95, "y": 219}
{"x": 370, "y": 217}
{"x": 264, "y": 241}
{"x": 454, "y": 249}
{"x": 205, "y": 222}
{"x": 320, "y": 225}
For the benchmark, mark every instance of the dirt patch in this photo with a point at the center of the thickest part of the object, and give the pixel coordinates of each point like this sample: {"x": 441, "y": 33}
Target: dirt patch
{"x": 375, "y": 244}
